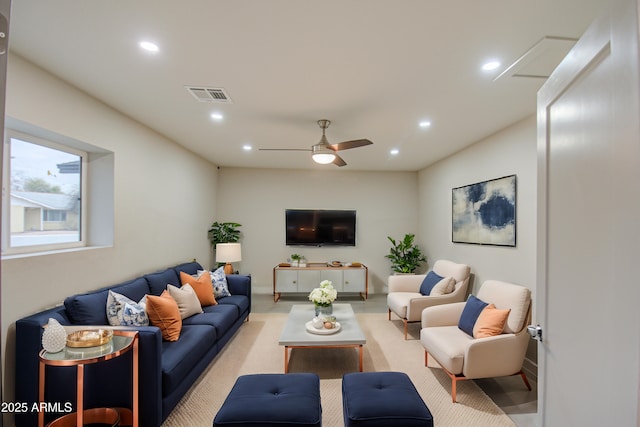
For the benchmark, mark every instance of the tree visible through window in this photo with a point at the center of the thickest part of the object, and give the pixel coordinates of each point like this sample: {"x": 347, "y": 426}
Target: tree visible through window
{"x": 44, "y": 194}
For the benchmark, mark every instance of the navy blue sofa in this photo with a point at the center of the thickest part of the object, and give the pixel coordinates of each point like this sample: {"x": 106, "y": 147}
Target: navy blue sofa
{"x": 166, "y": 369}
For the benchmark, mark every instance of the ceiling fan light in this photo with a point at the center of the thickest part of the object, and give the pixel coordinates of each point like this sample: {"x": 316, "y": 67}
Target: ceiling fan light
{"x": 323, "y": 158}
{"x": 322, "y": 154}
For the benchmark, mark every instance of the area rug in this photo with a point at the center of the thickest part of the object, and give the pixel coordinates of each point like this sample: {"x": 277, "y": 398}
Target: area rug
{"x": 254, "y": 349}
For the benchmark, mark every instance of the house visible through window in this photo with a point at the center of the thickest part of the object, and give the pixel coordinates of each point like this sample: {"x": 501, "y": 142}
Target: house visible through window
{"x": 43, "y": 195}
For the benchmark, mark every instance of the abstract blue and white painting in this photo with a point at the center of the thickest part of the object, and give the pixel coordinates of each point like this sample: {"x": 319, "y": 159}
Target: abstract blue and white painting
{"x": 485, "y": 213}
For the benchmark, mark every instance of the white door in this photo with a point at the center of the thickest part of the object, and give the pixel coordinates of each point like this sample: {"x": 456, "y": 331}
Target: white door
{"x": 588, "y": 230}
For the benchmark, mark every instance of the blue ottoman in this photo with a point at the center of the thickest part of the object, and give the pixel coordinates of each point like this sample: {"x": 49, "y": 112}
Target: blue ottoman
{"x": 382, "y": 399}
{"x": 268, "y": 400}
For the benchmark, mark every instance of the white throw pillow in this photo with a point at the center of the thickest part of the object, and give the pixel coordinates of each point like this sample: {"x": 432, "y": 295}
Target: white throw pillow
{"x": 444, "y": 286}
{"x": 188, "y": 302}
{"x": 121, "y": 311}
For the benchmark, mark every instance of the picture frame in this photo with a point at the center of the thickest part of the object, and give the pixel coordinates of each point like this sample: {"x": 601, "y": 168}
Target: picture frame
{"x": 484, "y": 213}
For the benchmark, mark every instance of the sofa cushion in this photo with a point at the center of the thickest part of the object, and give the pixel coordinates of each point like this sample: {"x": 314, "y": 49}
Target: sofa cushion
{"x": 164, "y": 313}
{"x": 84, "y": 309}
{"x": 221, "y": 317}
{"x": 239, "y": 301}
{"x": 202, "y": 286}
{"x": 188, "y": 267}
{"x": 179, "y": 357}
{"x": 122, "y": 311}
{"x": 87, "y": 309}
{"x": 447, "y": 344}
{"x": 470, "y": 314}
{"x": 430, "y": 280}
{"x": 158, "y": 281}
{"x": 187, "y": 300}
{"x": 134, "y": 289}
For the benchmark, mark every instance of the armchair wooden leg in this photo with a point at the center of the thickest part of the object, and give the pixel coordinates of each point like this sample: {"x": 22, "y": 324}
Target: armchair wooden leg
{"x": 426, "y": 358}
{"x": 454, "y": 382}
{"x": 389, "y": 314}
{"x": 524, "y": 378}
{"x": 406, "y": 325}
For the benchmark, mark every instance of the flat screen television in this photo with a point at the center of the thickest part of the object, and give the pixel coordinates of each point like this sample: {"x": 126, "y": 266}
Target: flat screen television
{"x": 317, "y": 227}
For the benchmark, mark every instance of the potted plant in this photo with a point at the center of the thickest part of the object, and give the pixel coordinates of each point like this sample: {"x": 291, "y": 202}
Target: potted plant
{"x": 295, "y": 260}
{"x": 224, "y": 232}
{"x": 405, "y": 256}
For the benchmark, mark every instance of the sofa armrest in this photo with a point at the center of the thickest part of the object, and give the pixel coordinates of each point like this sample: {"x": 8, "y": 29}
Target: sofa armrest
{"x": 442, "y": 315}
{"x": 405, "y": 283}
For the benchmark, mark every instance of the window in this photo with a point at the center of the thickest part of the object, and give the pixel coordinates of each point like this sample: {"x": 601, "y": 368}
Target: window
{"x": 43, "y": 195}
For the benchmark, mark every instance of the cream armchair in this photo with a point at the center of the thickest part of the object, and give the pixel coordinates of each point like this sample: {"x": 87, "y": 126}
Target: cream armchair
{"x": 404, "y": 297}
{"x": 464, "y": 357}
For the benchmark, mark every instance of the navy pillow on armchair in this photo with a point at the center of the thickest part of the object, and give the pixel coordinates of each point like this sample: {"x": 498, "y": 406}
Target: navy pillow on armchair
{"x": 429, "y": 282}
{"x": 470, "y": 313}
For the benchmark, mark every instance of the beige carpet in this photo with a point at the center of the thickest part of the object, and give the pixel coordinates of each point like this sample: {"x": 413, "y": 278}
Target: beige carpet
{"x": 255, "y": 349}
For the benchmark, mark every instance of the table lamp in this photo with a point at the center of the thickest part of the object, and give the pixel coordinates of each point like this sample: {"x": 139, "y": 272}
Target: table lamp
{"x": 228, "y": 253}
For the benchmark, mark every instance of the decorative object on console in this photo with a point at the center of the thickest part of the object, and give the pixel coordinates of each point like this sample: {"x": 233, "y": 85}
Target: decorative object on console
{"x": 405, "y": 256}
{"x": 228, "y": 253}
{"x": 295, "y": 260}
{"x": 323, "y": 297}
{"x": 54, "y": 337}
{"x": 484, "y": 213}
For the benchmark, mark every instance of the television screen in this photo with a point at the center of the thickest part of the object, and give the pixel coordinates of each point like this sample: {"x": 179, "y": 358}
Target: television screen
{"x": 320, "y": 227}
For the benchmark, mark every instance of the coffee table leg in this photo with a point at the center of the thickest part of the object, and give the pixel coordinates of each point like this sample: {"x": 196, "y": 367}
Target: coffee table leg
{"x": 361, "y": 351}
{"x": 286, "y": 359}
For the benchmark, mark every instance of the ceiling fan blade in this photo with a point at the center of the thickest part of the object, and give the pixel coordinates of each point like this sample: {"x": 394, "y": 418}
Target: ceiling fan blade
{"x": 350, "y": 144}
{"x": 284, "y": 149}
{"x": 339, "y": 162}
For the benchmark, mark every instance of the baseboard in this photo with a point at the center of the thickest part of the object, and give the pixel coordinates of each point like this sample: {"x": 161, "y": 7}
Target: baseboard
{"x": 531, "y": 369}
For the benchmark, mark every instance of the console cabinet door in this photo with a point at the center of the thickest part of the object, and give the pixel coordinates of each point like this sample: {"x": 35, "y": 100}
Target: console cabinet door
{"x": 335, "y": 276}
{"x": 355, "y": 280}
{"x": 286, "y": 280}
{"x": 308, "y": 280}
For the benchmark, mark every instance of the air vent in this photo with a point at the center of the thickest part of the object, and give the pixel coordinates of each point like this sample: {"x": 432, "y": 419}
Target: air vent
{"x": 209, "y": 94}
{"x": 541, "y": 59}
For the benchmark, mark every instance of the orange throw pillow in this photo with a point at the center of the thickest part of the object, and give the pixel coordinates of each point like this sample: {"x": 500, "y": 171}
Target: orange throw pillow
{"x": 490, "y": 322}
{"x": 164, "y": 313}
{"x": 202, "y": 286}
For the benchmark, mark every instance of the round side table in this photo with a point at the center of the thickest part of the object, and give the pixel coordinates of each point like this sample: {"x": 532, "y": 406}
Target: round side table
{"x": 121, "y": 343}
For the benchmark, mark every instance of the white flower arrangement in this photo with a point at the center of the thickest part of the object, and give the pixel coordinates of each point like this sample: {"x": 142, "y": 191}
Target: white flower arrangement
{"x": 324, "y": 295}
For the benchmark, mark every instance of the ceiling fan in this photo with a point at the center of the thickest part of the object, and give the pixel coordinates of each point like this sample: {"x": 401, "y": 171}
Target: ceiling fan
{"x": 323, "y": 152}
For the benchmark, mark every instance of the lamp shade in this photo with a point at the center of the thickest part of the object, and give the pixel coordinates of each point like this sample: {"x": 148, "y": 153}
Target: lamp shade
{"x": 228, "y": 252}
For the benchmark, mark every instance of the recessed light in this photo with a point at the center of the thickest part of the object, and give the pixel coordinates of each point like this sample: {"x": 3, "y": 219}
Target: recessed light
{"x": 247, "y": 147}
{"x": 491, "y": 65}
{"x": 149, "y": 47}
{"x": 425, "y": 124}
{"x": 216, "y": 116}
{"x": 394, "y": 151}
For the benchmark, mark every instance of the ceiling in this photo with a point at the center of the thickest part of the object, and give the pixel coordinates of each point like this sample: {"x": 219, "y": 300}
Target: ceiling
{"x": 375, "y": 68}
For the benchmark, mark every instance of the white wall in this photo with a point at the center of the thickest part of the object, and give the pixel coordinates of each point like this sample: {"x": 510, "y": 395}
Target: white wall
{"x": 164, "y": 201}
{"x": 386, "y": 205}
{"x": 510, "y": 151}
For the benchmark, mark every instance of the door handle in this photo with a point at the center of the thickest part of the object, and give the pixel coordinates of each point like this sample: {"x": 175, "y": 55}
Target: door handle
{"x": 535, "y": 332}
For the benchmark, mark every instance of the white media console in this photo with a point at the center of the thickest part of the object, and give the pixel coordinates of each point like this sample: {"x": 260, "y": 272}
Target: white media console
{"x": 305, "y": 279}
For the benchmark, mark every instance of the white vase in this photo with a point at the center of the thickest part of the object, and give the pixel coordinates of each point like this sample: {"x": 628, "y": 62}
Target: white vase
{"x": 54, "y": 337}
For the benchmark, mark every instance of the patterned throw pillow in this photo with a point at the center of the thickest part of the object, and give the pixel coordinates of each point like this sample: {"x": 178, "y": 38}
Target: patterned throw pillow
{"x": 219, "y": 281}
{"x": 121, "y": 311}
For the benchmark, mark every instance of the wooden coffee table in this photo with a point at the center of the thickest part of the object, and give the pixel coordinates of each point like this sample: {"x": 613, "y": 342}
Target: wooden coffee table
{"x": 295, "y": 335}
